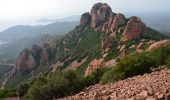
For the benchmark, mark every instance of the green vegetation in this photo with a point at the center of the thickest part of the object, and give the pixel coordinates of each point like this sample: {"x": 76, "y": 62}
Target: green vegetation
{"x": 137, "y": 64}
{"x": 58, "y": 84}
{"x": 7, "y": 93}
{"x": 112, "y": 54}
{"x": 81, "y": 43}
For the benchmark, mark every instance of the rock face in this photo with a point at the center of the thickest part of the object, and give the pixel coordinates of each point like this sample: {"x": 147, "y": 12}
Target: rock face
{"x": 153, "y": 86}
{"x": 29, "y": 59}
{"x": 135, "y": 28}
{"x": 158, "y": 45}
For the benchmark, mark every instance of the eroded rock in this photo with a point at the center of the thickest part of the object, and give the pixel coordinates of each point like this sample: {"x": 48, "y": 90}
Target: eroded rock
{"x": 135, "y": 28}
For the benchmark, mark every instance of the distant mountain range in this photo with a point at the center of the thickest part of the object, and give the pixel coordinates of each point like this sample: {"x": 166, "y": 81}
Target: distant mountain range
{"x": 69, "y": 19}
{"x": 22, "y": 31}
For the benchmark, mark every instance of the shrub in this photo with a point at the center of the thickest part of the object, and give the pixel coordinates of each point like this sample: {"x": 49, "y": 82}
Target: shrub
{"x": 109, "y": 76}
{"x": 57, "y": 84}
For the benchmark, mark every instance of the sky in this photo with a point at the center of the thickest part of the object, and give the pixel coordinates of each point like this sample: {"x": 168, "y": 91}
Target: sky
{"x": 13, "y": 12}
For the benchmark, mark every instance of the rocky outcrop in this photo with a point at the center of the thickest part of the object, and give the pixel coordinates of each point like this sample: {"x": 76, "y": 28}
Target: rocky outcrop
{"x": 113, "y": 25}
{"x": 85, "y": 19}
{"x": 158, "y": 44}
{"x": 107, "y": 42}
{"x": 29, "y": 59}
{"x": 153, "y": 86}
{"x": 25, "y": 62}
{"x": 94, "y": 65}
{"x": 140, "y": 47}
{"x": 135, "y": 28}
{"x": 100, "y": 13}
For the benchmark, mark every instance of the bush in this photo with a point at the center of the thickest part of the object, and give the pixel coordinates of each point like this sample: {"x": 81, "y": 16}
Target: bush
{"x": 109, "y": 76}
{"x": 57, "y": 84}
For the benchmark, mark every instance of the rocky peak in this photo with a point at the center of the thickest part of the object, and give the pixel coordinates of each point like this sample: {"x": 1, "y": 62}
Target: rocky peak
{"x": 100, "y": 14}
{"x": 102, "y": 18}
{"x": 135, "y": 28}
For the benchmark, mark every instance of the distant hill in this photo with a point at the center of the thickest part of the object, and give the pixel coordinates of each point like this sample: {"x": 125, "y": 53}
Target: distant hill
{"x": 22, "y": 31}
{"x": 69, "y": 19}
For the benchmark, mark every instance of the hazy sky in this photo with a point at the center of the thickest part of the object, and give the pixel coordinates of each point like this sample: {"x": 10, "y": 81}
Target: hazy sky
{"x": 26, "y": 11}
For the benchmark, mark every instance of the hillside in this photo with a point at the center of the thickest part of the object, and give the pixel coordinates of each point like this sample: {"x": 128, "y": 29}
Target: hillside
{"x": 153, "y": 86}
{"x": 105, "y": 47}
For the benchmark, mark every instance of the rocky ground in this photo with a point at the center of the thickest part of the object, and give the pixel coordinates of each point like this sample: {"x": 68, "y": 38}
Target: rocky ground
{"x": 153, "y": 86}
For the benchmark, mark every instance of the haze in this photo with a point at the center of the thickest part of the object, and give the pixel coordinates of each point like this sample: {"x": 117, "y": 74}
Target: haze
{"x": 13, "y": 12}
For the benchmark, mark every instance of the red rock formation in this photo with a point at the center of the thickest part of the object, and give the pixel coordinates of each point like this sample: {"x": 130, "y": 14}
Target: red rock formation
{"x": 25, "y": 62}
{"x": 114, "y": 23}
{"x": 29, "y": 59}
{"x": 100, "y": 14}
{"x": 135, "y": 28}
